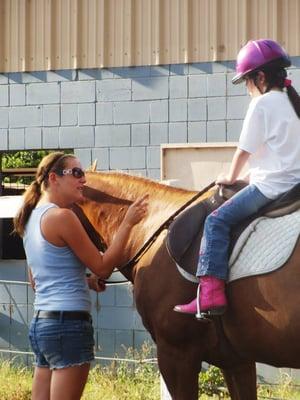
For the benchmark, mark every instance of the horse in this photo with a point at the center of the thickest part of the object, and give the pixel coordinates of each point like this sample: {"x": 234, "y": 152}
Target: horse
{"x": 261, "y": 324}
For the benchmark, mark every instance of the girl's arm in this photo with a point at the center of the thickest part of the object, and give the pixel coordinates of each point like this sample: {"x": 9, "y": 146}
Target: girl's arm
{"x": 238, "y": 162}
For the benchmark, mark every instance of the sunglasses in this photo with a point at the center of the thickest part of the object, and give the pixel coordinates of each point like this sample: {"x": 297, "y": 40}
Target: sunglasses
{"x": 76, "y": 172}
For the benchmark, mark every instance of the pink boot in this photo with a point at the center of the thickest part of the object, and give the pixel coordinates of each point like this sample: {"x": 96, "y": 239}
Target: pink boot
{"x": 212, "y": 298}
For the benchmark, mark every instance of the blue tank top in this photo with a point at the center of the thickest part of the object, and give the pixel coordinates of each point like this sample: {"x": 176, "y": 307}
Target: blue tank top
{"x": 59, "y": 276}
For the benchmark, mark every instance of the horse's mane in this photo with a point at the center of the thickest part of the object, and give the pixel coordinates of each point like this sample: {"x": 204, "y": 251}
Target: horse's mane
{"x": 127, "y": 186}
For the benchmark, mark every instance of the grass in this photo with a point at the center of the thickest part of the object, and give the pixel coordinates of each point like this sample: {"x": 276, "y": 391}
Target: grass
{"x": 123, "y": 381}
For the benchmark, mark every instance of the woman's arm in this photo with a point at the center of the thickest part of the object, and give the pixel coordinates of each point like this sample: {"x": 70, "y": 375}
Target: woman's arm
{"x": 72, "y": 234}
{"x": 31, "y": 280}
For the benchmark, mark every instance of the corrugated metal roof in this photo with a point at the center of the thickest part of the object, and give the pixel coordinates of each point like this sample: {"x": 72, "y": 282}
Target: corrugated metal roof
{"x": 66, "y": 34}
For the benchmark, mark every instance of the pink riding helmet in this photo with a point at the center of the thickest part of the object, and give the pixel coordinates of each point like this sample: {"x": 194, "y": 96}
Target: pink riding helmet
{"x": 258, "y": 53}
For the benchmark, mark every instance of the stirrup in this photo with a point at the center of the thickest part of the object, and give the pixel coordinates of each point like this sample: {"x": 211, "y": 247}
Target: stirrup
{"x": 205, "y": 315}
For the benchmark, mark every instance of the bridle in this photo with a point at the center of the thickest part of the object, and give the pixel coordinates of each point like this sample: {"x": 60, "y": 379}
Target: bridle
{"x": 165, "y": 225}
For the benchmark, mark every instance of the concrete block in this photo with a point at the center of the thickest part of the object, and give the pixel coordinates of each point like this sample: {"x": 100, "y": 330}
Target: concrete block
{"x": 5, "y": 296}
{"x": 141, "y": 338}
{"x": 179, "y": 69}
{"x": 159, "y": 133}
{"x": 138, "y": 324}
{"x": 219, "y": 67}
{"x": 4, "y": 95}
{"x": 216, "y": 108}
{"x": 178, "y": 110}
{"x": 130, "y": 72}
{"x": 77, "y": 136}
{"x": 117, "y": 318}
{"x": 3, "y": 79}
{"x": 114, "y": 90}
{"x": 104, "y": 113}
{"x": 150, "y": 88}
{"x": 78, "y": 92}
{"x": 178, "y": 86}
{"x": 85, "y": 157}
{"x": 154, "y": 174}
{"x": 197, "y": 110}
{"x": 234, "y": 128}
{"x": 237, "y": 107}
{"x": 159, "y": 111}
{"x": 50, "y": 138}
{"x": 178, "y": 132}
{"x": 34, "y": 77}
{"x": 294, "y": 75}
{"x": 235, "y": 90}
{"x": 26, "y": 116}
{"x": 33, "y": 138}
{"x": 4, "y": 326}
{"x": 138, "y": 172}
{"x": 112, "y": 135}
{"x": 89, "y": 74}
{"x": 86, "y": 114}
{"x": 3, "y": 139}
{"x": 197, "y": 132}
{"x": 16, "y": 139}
{"x": 140, "y": 134}
{"x": 69, "y": 114}
{"x": 105, "y": 342}
{"x": 128, "y": 158}
{"x": 159, "y": 70}
{"x": 51, "y": 115}
{"x": 216, "y": 131}
{"x": 15, "y": 77}
{"x": 17, "y": 95}
{"x": 4, "y": 112}
{"x": 18, "y": 295}
{"x": 61, "y": 75}
{"x": 200, "y": 68}
{"x": 131, "y": 112}
{"x": 102, "y": 155}
{"x": 43, "y": 93}
{"x": 124, "y": 296}
{"x": 153, "y": 157}
{"x": 19, "y": 327}
{"x": 216, "y": 85}
{"x": 107, "y": 298}
{"x": 197, "y": 86}
{"x": 124, "y": 341}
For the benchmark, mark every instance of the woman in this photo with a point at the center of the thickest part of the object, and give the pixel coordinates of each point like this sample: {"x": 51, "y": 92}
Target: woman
{"x": 270, "y": 141}
{"x": 58, "y": 250}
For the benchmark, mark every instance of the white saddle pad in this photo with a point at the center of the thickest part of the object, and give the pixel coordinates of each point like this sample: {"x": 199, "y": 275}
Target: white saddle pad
{"x": 265, "y": 245}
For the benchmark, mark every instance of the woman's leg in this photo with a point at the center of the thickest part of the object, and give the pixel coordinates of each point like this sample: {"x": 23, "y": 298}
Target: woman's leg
{"x": 41, "y": 384}
{"x": 68, "y": 383}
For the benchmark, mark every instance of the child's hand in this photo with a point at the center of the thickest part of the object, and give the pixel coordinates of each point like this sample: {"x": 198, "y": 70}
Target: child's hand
{"x": 223, "y": 179}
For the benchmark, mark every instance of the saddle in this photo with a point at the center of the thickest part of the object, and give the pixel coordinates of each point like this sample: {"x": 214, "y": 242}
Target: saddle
{"x": 185, "y": 232}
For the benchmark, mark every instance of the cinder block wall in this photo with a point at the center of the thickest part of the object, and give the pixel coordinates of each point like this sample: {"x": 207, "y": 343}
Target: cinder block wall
{"x": 119, "y": 116}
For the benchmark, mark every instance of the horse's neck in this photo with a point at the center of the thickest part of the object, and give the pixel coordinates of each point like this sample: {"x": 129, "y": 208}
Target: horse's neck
{"x": 107, "y": 216}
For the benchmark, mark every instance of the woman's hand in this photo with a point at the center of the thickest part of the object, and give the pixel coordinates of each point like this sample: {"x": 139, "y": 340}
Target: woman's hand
{"x": 95, "y": 283}
{"x": 137, "y": 211}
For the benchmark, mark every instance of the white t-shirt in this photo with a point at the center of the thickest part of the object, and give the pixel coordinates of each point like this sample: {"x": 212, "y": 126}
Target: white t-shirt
{"x": 271, "y": 133}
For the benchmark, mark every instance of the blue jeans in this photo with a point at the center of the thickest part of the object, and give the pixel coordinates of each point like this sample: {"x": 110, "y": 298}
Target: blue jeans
{"x": 213, "y": 256}
{"x": 61, "y": 343}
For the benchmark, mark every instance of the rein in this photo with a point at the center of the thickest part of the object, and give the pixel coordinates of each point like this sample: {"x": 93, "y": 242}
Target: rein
{"x": 165, "y": 225}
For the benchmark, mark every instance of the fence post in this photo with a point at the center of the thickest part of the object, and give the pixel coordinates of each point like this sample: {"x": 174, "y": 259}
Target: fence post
{"x": 164, "y": 393}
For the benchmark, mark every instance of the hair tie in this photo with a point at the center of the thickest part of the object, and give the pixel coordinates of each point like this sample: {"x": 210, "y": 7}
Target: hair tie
{"x": 287, "y": 83}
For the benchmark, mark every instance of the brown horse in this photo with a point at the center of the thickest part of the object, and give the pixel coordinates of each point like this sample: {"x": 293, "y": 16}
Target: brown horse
{"x": 261, "y": 324}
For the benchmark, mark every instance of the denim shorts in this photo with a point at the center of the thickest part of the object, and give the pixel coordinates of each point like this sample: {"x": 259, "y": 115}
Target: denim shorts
{"x": 61, "y": 343}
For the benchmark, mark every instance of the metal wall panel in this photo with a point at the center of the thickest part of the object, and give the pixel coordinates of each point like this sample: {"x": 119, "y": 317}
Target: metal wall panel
{"x": 63, "y": 34}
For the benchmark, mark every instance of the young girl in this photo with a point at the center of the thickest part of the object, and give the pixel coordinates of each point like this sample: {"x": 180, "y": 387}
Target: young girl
{"x": 58, "y": 250}
{"x": 270, "y": 142}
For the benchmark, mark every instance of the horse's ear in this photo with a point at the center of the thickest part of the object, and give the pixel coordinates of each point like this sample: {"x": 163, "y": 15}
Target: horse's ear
{"x": 93, "y": 166}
